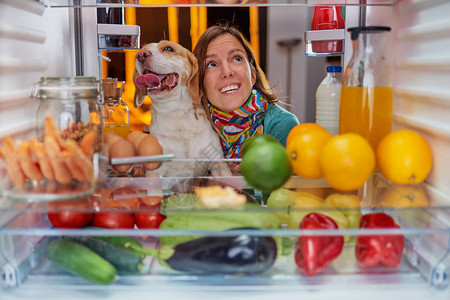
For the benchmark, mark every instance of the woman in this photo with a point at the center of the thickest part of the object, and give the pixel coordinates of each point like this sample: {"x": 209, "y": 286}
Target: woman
{"x": 236, "y": 92}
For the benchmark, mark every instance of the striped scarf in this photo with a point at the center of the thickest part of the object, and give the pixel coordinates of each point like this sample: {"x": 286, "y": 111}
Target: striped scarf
{"x": 237, "y": 126}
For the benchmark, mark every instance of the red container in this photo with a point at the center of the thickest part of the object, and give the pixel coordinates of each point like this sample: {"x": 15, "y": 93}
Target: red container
{"x": 326, "y": 18}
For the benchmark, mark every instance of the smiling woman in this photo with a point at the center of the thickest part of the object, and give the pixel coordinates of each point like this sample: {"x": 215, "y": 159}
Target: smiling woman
{"x": 236, "y": 92}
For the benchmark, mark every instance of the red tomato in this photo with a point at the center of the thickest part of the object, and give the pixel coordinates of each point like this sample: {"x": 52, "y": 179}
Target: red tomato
{"x": 70, "y": 214}
{"x": 118, "y": 219}
{"x": 125, "y": 197}
{"x": 150, "y": 217}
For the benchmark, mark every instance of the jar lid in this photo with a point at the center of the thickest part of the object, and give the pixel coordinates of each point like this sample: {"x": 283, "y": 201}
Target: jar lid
{"x": 334, "y": 69}
{"x": 355, "y": 31}
{"x": 66, "y": 88}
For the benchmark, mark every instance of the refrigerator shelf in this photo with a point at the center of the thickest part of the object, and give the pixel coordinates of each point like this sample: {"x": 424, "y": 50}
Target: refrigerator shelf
{"x": 27, "y": 231}
{"x": 137, "y": 3}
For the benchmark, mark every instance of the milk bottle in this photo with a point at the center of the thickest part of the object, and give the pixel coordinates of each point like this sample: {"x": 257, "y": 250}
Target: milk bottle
{"x": 328, "y": 100}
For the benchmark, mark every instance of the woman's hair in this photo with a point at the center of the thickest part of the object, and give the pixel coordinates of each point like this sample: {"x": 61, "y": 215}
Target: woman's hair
{"x": 262, "y": 85}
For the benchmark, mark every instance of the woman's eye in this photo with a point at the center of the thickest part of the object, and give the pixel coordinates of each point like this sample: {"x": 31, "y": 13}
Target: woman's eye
{"x": 210, "y": 65}
{"x": 237, "y": 58}
{"x": 168, "y": 48}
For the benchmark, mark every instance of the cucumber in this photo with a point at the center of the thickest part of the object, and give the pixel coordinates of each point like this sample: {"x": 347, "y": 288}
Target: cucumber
{"x": 81, "y": 261}
{"x": 114, "y": 250}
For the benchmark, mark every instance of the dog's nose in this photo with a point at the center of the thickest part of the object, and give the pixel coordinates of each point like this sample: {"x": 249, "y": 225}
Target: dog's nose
{"x": 142, "y": 55}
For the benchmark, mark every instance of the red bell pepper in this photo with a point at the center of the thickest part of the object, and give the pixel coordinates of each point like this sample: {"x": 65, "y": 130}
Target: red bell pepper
{"x": 315, "y": 253}
{"x": 379, "y": 250}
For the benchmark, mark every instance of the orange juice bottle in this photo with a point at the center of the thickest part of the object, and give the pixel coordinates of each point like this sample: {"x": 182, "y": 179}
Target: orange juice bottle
{"x": 368, "y": 112}
{"x": 366, "y": 92}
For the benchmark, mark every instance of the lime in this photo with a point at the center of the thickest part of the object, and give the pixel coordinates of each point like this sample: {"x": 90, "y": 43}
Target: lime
{"x": 257, "y": 140}
{"x": 266, "y": 166}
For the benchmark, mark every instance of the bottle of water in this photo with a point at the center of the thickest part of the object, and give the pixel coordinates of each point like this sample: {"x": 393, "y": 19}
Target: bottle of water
{"x": 328, "y": 96}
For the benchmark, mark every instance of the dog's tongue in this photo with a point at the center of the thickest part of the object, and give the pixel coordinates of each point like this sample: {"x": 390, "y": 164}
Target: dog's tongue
{"x": 156, "y": 81}
{"x": 147, "y": 81}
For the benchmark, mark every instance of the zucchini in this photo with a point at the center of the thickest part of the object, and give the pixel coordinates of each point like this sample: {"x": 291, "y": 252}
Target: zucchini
{"x": 114, "y": 249}
{"x": 81, "y": 261}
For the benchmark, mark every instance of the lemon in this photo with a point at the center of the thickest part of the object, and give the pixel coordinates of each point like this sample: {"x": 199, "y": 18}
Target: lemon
{"x": 347, "y": 161}
{"x": 266, "y": 166}
{"x": 402, "y": 196}
{"x": 404, "y": 157}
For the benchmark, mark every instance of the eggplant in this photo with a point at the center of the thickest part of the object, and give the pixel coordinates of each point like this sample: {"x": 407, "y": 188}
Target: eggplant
{"x": 241, "y": 254}
{"x": 223, "y": 255}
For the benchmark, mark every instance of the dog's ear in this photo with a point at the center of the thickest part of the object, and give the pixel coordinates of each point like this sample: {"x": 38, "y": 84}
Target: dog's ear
{"x": 139, "y": 94}
{"x": 193, "y": 82}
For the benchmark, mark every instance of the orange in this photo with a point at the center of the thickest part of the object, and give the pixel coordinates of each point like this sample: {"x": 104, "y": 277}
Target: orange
{"x": 301, "y": 128}
{"x": 402, "y": 196}
{"x": 347, "y": 161}
{"x": 304, "y": 152}
{"x": 404, "y": 156}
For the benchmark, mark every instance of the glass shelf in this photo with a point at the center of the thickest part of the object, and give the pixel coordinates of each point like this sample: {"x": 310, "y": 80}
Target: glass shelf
{"x": 212, "y": 3}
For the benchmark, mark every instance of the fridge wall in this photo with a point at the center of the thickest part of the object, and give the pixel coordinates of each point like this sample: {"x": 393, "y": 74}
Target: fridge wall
{"x": 421, "y": 69}
{"x": 34, "y": 42}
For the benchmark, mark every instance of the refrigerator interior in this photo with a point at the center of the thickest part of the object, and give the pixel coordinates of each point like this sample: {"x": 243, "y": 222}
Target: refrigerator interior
{"x": 39, "y": 39}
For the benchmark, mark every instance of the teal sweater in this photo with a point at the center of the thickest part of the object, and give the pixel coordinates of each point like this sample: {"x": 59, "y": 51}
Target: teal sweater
{"x": 278, "y": 122}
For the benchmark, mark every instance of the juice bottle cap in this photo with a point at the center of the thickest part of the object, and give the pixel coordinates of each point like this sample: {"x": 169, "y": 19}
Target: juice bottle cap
{"x": 355, "y": 31}
{"x": 334, "y": 69}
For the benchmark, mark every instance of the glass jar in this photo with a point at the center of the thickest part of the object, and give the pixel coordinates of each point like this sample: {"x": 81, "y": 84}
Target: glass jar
{"x": 116, "y": 115}
{"x": 366, "y": 93}
{"x": 73, "y": 103}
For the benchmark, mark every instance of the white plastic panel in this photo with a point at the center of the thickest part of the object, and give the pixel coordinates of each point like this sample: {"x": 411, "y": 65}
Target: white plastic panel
{"x": 34, "y": 42}
{"x": 421, "y": 69}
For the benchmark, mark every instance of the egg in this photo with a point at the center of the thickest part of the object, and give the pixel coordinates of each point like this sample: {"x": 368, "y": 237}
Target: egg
{"x": 135, "y": 138}
{"x": 150, "y": 146}
{"x": 110, "y": 138}
{"x": 121, "y": 148}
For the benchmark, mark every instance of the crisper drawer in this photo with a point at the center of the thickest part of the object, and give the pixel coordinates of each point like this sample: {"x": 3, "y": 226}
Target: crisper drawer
{"x": 256, "y": 246}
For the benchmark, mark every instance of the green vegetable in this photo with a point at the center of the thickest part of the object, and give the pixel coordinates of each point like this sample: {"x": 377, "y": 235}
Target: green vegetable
{"x": 81, "y": 261}
{"x": 253, "y": 216}
{"x": 191, "y": 222}
{"x": 115, "y": 250}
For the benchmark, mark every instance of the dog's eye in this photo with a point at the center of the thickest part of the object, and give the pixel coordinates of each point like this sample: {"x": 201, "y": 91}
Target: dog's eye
{"x": 168, "y": 48}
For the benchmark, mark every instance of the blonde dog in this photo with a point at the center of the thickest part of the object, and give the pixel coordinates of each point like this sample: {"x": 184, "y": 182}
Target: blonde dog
{"x": 168, "y": 73}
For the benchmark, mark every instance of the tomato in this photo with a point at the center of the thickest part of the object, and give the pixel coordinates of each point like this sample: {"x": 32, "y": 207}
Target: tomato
{"x": 125, "y": 197}
{"x": 150, "y": 217}
{"x": 114, "y": 219}
{"x": 70, "y": 214}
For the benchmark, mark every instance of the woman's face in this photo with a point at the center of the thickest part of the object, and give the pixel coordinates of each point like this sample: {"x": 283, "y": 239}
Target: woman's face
{"x": 228, "y": 79}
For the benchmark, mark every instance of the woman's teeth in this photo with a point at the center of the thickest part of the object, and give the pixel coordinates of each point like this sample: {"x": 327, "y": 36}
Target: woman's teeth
{"x": 229, "y": 89}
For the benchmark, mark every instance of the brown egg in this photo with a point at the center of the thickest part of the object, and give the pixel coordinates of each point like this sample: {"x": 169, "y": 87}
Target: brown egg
{"x": 150, "y": 146}
{"x": 133, "y": 135}
{"x": 121, "y": 148}
{"x": 110, "y": 138}
{"x": 135, "y": 138}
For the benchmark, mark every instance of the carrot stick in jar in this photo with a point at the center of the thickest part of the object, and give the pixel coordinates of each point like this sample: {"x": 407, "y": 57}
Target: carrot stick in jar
{"x": 83, "y": 162}
{"x": 62, "y": 174}
{"x": 43, "y": 159}
{"x": 72, "y": 166}
{"x": 28, "y": 163}
{"x": 12, "y": 164}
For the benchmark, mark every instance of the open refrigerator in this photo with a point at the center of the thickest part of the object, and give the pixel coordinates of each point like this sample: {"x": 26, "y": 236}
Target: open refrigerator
{"x": 62, "y": 38}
